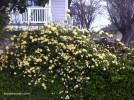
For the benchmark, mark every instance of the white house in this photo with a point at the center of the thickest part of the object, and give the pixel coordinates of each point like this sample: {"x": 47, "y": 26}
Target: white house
{"x": 54, "y": 11}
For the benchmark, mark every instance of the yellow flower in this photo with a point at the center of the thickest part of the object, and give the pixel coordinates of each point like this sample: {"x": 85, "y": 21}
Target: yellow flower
{"x": 12, "y": 38}
{"x": 11, "y": 53}
{"x": 76, "y": 86}
{"x": 84, "y": 50}
{"x": 24, "y": 42}
{"x": 74, "y": 32}
{"x": 71, "y": 47}
{"x": 15, "y": 73}
{"x": 50, "y": 68}
{"x": 31, "y": 37}
{"x": 104, "y": 68}
{"x": 26, "y": 29}
{"x": 29, "y": 75}
{"x": 67, "y": 97}
{"x": 95, "y": 30}
{"x": 44, "y": 85}
{"x": 64, "y": 29}
{"x": 110, "y": 35}
{"x": 100, "y": 56}
{"x": 18, "y": 39}
{"x": 45, "y": 57}
{"x": 68, "y": 16}
{"x": 29, "y": 83}
{"x": 87, "y": 78}
{"x": 49, "y": 32}
{"x": 49, "y": 26}
{"x": 24, "y": 50}
{"x": 25, "y": 63}
{"x": 7, "y": 47}
{"x": 8, "y": 27}
{"x": 68, "y": 11}
{"x": 34, "y": 29}
{"x": 38, "y": 60}
{"x": 52, "y": 81}
{"x": 101, "y": 32}
{"x": 95, "y": 49}
{"x": 24, "y": 35}
{"x": 54, "y": 28}
{"x": 107, "y": 33}
{"x": 84, "y": 37}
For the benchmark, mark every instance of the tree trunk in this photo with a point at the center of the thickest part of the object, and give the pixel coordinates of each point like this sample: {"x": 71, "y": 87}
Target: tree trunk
{"x": 127, "y": 37}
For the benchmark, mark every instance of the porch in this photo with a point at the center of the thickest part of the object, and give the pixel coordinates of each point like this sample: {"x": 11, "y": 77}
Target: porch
{"x": 34, "y": 15}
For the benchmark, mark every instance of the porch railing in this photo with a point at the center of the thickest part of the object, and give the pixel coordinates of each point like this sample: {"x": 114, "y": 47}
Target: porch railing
{"x": 32, "y": 15}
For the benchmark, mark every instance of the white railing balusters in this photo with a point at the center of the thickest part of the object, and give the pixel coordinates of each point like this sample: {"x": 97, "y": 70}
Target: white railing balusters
{"x": 37, "y": 15}
{"x": 32, "y": 15}
{"x": 29, "y": 14}
{"x": 45, "y": 15}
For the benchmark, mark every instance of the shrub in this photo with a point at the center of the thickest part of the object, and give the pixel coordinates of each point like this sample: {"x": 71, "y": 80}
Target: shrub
{"x": 117, "y": 82}
{"x": 59, "y": 60}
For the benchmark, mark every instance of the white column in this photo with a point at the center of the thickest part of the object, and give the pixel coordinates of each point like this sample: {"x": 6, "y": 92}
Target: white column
{"x": 50, "y": 10}
{"x": 66, "y": 7}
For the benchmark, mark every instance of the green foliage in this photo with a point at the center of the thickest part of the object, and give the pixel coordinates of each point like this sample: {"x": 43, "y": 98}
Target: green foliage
{"x": 18, "y": 4}
{"x": 60, "y": 63}
{"x": 4, "y": 20}
{"x": 12, "y": 84}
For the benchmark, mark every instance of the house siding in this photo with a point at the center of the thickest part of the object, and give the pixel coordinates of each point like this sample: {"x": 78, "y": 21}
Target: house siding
{"x": 58, "y": 8}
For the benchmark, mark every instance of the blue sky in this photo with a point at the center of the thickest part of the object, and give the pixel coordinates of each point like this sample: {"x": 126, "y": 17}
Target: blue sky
{"x": 100, "y": 21}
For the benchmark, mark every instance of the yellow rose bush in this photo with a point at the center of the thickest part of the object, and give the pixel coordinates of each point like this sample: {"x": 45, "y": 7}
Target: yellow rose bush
{"x": 119, "y": 78}
{"x": 63, "y": 62}
{"x": 109, "y": 42}
{"x": 123, "y": 53}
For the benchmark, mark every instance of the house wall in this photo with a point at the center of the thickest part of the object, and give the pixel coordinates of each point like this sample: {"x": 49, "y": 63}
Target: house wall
{"x": 58, "y": 9}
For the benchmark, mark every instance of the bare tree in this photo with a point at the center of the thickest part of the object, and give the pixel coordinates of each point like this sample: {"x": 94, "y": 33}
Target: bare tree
{"x": 121, "y": 14}
{"x": 69, "y": 3}
{"x": 86, "y": 12}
